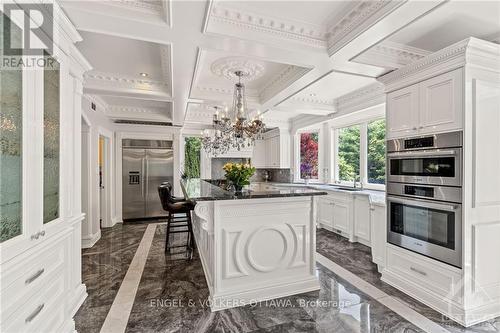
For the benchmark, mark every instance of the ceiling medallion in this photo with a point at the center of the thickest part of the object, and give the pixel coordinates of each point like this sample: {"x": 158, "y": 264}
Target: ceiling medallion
{"x": 233, "y": 128}
{"x": 227, "y": 67}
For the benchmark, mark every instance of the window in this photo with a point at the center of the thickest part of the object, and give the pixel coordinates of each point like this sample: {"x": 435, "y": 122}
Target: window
{"x": 348, "y": 153}
{"x": 358, "y": 152}
{"x": 192, "y": 157}
{"x": 309, "y": 155}
{"x": 376, "y": 152}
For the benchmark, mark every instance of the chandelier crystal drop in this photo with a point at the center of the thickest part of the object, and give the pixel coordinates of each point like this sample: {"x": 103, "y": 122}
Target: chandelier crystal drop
{"x": 233, "y": 128}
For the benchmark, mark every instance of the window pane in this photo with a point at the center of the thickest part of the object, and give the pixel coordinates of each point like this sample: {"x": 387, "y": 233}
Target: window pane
{"x": 11, "y": 125}
{"x": 348, "y": 156}
{"x": 309, "y": 155}
{"x": 51, "y": 141}
{"x": 376, "y": 152}
{"x": 192, "y": 157}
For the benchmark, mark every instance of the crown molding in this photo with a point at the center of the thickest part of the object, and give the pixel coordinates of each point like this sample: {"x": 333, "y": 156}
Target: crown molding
{"x": 362, "y": 98}
{"x": 95, "y": 81}
{"x": 138, "y": 113}
{"x": 166, "y": 65}
{"x": 312, "y": 101}
{"x": 284, "y": 79}
{"x": 199, "y": 114}
{"x": 481, "y": 53}
{"x": 391, "y": 55}
{"x": 221, "y": 18}
{"x": 359, "y": 19}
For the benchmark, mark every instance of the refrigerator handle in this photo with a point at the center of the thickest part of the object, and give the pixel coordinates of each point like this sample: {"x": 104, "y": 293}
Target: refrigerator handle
{"x": 147, "y": 181}
{"x": 143, "y": 178}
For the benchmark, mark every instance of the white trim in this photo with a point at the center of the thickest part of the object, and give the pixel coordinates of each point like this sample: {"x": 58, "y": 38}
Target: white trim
{"x": 89, "y": 241}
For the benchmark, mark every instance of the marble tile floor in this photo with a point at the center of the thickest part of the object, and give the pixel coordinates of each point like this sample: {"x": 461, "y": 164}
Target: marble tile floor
{"x": 172, "y": 293}
{"x": 104, "y": 266}
{"x": 172, "y": 297}
{"x": 356, "y": 258}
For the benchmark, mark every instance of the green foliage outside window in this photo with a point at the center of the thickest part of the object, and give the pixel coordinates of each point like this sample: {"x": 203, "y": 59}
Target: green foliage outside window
{"x": 348, "y": 155}
{"x": 192, "y": 157}
{"x": 376, "y": 152}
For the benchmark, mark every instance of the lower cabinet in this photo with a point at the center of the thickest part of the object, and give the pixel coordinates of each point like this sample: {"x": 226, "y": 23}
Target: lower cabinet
{"x": 334, "y": 213}
{"x": 362, "y": 219}
{"x": 378, "y": 232}
{"x": 342, "y": 216}
{"x": 356, "y": 218}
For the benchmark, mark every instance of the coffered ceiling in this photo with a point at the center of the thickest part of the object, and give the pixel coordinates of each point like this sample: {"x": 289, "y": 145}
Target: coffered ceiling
{"x": 310, "y": 58}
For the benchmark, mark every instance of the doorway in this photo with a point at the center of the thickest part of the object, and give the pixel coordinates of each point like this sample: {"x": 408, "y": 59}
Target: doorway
{"x": 104, "y": 181}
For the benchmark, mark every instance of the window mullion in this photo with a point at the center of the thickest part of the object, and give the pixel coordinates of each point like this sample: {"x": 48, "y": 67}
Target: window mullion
{"x": 363, "y": 153}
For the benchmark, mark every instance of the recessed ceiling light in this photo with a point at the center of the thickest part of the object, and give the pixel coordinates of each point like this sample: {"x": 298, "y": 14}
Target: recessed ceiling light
{"x": 312, "y": 95}
{"x": 143, "y": 74}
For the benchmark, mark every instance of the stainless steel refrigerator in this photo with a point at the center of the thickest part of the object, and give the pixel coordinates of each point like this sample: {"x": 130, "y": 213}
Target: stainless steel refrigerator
{"x": 146, "y": 164}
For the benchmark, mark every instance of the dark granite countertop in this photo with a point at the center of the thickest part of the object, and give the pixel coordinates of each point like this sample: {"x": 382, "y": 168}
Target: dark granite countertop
{"x": 203, "y": 190}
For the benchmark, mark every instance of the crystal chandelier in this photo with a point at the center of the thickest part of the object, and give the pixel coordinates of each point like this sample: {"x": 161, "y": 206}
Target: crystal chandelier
{"x": 233, "y": 129}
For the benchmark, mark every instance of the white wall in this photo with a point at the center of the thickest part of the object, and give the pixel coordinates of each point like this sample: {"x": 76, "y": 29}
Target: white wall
{"x": 96, "y": 124}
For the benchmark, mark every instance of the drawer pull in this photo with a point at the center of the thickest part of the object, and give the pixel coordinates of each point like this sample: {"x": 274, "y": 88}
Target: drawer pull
{"x": 418, "y": 271}
{"x": 34, "y": 276}
{"x": 34, "y": 314}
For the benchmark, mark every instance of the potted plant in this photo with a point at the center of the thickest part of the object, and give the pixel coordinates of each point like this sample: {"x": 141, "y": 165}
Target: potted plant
{"x": 238, "y": 174}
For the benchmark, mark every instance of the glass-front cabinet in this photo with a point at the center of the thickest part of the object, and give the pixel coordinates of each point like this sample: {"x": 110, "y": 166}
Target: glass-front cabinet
{"x": 30, "y": 145}
{"x": 11, "y": 143}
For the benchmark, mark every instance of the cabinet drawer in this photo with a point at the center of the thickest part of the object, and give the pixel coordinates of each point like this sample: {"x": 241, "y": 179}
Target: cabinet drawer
{"x": 424, "y": 272}
{"x": 23, "y": 278}
{"x": 45, "y": 308}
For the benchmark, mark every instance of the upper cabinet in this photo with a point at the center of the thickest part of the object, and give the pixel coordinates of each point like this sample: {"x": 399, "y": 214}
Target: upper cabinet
{"x": 273, "y": 152}
{"x": 402, "y": 112}
{"x": 51, "y": 140}
{"x": 431, "y": 106}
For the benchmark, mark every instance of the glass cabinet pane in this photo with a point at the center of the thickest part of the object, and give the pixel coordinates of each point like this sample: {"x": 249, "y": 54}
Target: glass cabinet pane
{"x": 11, "y": 125}
{"x": 51, "y": 144}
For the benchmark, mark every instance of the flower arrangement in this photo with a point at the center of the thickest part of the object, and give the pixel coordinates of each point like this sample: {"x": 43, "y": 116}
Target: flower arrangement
{"x": 238, "y": 174}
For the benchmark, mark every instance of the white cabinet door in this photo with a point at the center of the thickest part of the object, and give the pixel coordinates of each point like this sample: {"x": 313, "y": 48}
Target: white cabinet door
{"x": 272, "y": 152}
{"x": 402, "y": 112}
{"x": 362, "y": 219}
{"x": 259, "y": 154}
{"x": 341, "y": 216}
{"x": 378, "y": 234}
{"x": 441, "y": 106}
{"x": 325, "y": 213}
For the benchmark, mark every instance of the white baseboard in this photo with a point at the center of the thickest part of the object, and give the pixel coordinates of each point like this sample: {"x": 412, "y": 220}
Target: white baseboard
{"x": 89, "y": 241}
{"x": 80, "y": 294}
{"x": 447, "y": 307}
{"x": 226, "y": 301}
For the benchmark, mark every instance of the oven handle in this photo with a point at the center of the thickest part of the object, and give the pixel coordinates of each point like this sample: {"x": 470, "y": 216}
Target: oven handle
{"x": 423, "y": 153}
{"x": 424, "y": 203}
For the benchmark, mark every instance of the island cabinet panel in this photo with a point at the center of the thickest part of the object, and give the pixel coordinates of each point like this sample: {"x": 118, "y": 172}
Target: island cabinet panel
{"x": 256, "y": 249}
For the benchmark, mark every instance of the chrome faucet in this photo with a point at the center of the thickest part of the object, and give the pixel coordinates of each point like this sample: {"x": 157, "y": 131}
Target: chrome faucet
{"x": 355, "y": 179}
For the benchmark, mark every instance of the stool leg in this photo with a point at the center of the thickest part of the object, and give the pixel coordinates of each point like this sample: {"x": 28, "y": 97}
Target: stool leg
{"x": 190, "y": 236}
{"x": 169, "y": 219}
{"x": 193, "y": 241}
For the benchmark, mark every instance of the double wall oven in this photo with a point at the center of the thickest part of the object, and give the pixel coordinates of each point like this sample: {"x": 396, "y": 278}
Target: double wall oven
{"x": 424, "y": 195}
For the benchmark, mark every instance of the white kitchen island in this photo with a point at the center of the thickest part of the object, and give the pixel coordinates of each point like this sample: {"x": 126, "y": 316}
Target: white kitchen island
{"x": 254, "y": 246}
